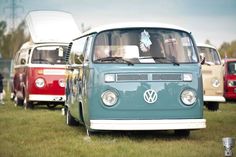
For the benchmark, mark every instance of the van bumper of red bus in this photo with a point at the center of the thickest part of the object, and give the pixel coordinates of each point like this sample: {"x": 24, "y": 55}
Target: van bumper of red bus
{"x": 41, "y": 97}
{"x": 230, "y": 96}
{"x": 174, "y": 124}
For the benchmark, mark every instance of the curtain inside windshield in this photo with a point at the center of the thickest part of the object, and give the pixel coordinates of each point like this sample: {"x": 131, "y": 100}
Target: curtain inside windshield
{"x": 49, "y": 55}
{"x": 145, "y": 46}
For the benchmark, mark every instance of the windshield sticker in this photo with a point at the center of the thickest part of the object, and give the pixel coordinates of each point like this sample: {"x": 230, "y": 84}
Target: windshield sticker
{"x": 145, "y": 41}
{"x": 60, "y": 52}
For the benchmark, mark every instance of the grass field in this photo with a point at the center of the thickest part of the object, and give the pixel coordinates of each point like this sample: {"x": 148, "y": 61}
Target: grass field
{"x": 43, "y": 132}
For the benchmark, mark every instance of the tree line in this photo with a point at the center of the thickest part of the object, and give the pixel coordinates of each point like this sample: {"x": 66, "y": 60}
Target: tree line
{"x": 12, "y": 40}
{"x": 228, "y": 49}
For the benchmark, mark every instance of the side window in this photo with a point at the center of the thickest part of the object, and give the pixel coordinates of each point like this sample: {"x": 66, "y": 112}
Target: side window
{"x": 23, "y": 57}
{"x": 88, "y": 47}
{"x": 17, "y": 58}
{"x": 77, "y": 49}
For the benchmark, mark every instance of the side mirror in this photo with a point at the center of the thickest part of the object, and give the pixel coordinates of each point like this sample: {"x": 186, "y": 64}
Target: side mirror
{"x": 202, "y": 58}
{"x": 22, "y": 61}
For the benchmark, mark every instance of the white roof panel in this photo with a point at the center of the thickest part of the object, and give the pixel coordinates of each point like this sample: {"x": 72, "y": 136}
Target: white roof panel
{"x": 51, "y": 26}
{"x": 134, "y": 25}
{"x": 205, "y": 45}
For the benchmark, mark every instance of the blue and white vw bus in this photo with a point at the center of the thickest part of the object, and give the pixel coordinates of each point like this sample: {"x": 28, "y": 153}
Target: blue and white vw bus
{"x": 135, "y": 76}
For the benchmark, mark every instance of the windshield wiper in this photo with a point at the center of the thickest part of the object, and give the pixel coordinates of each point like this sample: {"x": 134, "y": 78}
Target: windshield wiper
{"x": 166, "y": 59}
{"x": 115, "y": 59}
{"x": 162, "y": 60}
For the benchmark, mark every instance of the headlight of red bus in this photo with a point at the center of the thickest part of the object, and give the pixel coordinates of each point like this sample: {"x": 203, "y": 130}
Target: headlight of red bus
{"x": 61, "y": 83}
{"x": 230, "y": 83}
{"x": 39, "y": 82}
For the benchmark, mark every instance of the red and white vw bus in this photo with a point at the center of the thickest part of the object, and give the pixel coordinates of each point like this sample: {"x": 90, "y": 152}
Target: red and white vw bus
{"x": 230, "y": 79}
{"x": 40, "y": 63}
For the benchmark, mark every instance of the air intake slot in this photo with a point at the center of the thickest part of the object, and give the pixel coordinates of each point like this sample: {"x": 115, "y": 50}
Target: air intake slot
{"x": 166, "y": 77}
{"x": 68, "y": 52}
{"x": 132, "y": 77}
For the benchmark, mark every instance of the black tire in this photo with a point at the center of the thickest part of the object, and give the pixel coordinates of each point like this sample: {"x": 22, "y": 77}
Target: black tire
{"x": 70, "y": 120}
{"x": 182, "y": 133}
{"x": 28, "y": 105}
{"x": 19, "y": 102}
{"x": 212, "y": 106}
{"x": 51, "y": 106}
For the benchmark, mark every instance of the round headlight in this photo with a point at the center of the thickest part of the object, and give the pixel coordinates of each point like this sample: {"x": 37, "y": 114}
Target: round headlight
{"x": 39, "y": 82}
{"x": 61, "y": 83}
{"x": 215, "y": 82}
{"x": 109, "y": 98}
{"x": 230, "y": 83}
{"x": 188, "y": 97}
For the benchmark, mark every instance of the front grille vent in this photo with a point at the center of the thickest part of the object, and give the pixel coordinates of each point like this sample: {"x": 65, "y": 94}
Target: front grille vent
{"x": 132, "y": 77}
{"x": 166, "y": 77}
{"x": 150, "y": 77}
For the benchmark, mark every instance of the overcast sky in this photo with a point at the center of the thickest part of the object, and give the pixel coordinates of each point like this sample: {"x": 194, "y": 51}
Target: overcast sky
{"x": 214, "y": 20}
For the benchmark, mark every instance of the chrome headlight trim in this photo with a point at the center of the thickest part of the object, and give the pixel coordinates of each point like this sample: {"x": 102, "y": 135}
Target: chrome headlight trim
{"x": 40, "y": 82}
{"x": 188, "y": 97}
{"x": 215, "y": 82}
{"x": 109, "y": 98}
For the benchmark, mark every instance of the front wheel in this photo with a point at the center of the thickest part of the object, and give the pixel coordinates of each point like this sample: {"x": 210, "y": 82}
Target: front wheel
{"x": 28, "y": 104}
{"x": 19, "y": 102}
{"x": 51, "y": 106}
{"x": 212, "y": 106}
{"x": 182, "y": 133}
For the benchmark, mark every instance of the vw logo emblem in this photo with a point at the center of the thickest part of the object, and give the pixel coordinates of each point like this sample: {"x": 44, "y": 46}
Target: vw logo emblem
{"x": 150, "y": 96}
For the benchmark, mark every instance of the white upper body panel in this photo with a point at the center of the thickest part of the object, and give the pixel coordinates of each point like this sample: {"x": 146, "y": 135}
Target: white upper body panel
{"x": 134, "y": 25}
{"x": 205, "y": 45}
{"x": 51, "y": 26}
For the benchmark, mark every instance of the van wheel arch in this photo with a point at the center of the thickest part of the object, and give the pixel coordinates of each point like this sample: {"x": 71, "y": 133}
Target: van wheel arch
{"x": 81, "y": 112}
{"x": 70, "y": 120}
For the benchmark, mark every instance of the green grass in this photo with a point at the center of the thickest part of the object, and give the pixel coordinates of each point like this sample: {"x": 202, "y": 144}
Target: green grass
{"x": 43, "y": 132}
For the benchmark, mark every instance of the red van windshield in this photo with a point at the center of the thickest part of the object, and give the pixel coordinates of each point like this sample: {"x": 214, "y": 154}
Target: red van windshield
{"x": 49, "y": 55}
{"x": 232, "y": 67}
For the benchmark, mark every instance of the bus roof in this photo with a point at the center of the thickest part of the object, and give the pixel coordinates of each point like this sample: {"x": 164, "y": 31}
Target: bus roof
{"x": 133, "y": 25}
{"x": 205, "y": 45}
{"x": 51, "y": 26}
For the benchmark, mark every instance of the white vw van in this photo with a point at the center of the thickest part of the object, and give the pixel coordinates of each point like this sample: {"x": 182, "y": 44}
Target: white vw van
{"x": 40, "y": 63}
{"x": 212, "y": 75}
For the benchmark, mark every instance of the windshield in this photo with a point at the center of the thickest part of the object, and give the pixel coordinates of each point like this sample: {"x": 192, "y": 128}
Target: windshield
{"x": 147, "y": 45}
{"x": 49, "y": 55}
{"x": 232, "y": 67}
{"x": 210, "y": 54}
